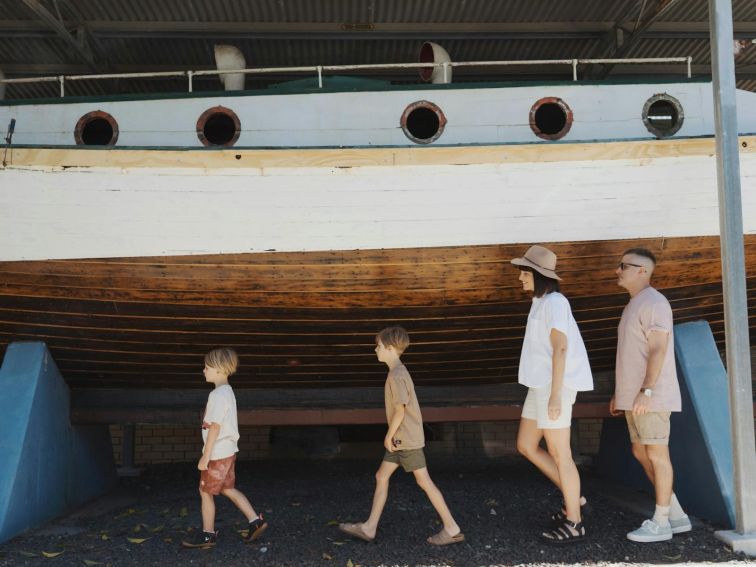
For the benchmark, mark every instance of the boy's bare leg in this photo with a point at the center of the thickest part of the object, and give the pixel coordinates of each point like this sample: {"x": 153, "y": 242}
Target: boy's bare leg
{"x": 208, "y": 511}
{"x": 558, "y": 442}
{"x": 436, "y": 498}
{"x": 241, "y": 502}
{"x": 382, "y": 477}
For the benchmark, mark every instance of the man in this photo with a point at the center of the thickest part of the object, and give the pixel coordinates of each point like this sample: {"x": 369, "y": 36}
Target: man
{"x": 647, "y": 389}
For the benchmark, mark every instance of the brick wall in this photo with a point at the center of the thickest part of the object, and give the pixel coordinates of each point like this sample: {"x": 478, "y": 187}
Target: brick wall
{"x": 170, "y": 444}
{"x": 165, "y": 444}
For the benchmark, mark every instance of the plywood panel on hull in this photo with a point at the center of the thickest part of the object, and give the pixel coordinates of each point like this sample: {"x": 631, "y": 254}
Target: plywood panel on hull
{"x": 308, "y": 319}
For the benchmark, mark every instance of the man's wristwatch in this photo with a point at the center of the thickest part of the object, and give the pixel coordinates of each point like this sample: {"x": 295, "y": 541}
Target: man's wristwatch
{"x": 648, "y": 392}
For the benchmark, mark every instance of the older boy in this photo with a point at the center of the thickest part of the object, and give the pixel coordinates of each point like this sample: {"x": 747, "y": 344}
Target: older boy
{"x": 647, "y": 389}
{"x": 220, "y": 433}
{"x": 404, "y": 443}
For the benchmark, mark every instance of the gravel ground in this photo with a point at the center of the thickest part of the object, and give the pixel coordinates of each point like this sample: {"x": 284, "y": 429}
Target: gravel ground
{"x": 500, "y": 505}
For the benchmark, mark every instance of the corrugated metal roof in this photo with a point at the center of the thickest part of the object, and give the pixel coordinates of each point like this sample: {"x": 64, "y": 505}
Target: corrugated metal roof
{"x": 145, "y": 35}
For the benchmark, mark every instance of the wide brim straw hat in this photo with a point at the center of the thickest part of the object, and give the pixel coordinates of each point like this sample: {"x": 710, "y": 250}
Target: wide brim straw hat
{"x": 541, "y": 259}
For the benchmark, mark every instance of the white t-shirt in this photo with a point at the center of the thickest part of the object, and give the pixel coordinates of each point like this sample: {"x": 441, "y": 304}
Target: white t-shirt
{"x": 221, "y": 409}
{"x": 552, "y": 311}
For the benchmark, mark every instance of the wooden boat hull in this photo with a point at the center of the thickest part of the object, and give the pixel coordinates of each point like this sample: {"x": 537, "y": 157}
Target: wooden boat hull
{"x": 307, "y": 319}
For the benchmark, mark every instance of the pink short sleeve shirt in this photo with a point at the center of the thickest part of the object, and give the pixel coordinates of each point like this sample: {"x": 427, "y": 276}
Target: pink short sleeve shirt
{"x": 648, "y": 311}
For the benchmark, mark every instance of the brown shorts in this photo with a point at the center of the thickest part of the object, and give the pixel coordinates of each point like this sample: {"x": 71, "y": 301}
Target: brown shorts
{"x": 410, "y": 459}
{"x": 650, "y": 428}
{"x": 220, "y": 475}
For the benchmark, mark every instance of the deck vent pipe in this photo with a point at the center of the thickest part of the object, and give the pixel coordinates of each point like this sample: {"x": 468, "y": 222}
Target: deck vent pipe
{"x": 230, "y": 58}
{"x": 433, "y": 53}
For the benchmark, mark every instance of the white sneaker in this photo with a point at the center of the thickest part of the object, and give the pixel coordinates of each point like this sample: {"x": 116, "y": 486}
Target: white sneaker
{"x": 680, "y": 525}
{"x": 650, "y": 532}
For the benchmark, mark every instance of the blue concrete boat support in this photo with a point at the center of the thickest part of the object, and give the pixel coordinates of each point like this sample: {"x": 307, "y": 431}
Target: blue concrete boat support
{"x": 47, "y": 465}
{"x": 701, "y": 441}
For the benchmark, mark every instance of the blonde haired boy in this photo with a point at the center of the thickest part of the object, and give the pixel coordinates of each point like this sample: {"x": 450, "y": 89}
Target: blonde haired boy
{"x": 220, "y": 433}
{"x": 404, "y": 443}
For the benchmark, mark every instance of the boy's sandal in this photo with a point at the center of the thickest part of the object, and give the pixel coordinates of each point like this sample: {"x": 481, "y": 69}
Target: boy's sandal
{"x": 443, "y": 538}
{"x": 560, "y": 517}
{"x": 355, "y": 530}
{"x": 562, "y": 534}
{"x": 256, "y": 529}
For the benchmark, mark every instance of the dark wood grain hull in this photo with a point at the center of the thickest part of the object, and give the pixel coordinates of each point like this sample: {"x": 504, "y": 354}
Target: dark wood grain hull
{"x": 302, "y": 320}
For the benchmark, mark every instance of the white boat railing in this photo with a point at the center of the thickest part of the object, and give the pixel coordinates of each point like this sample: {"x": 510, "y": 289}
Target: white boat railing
{"x": 320, "y": 69}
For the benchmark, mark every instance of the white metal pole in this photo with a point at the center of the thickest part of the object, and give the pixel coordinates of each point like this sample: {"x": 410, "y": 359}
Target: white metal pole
{"x": 733, "y": 265}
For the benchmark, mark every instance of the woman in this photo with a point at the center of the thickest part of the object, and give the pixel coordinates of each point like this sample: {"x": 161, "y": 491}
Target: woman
{"x": 554, "y": 366}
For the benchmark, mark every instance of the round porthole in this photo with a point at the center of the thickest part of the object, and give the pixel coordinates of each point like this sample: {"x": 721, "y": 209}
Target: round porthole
{"x": 550, "y": 118}
{"x": 96, "y": 128}
{"x": 218, "y": 126}
{"x": 663, "y": 115}
{"x": 423, "y": 122}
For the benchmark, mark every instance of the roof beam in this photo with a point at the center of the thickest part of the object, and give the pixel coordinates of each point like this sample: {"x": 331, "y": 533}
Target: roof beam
{"x": 78, "y": 45}
{"x": 622, "y": 40}
{"x": 339, "y": 30}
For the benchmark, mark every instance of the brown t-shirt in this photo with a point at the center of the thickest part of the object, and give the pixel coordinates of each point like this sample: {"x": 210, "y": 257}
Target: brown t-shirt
{"x": 648, "y": 311}
{"x": 399, "y": 389}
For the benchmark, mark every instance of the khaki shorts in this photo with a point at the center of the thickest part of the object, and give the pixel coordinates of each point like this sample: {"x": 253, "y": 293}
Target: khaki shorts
{"x": 650, "y": 428}
{"x": 536, "y": 407}
{"x": 410, "y": 459}
{"x": 220, "y": 475}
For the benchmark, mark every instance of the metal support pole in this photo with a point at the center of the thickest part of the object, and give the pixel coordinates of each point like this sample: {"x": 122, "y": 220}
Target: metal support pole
{"x": 733, "y": 268}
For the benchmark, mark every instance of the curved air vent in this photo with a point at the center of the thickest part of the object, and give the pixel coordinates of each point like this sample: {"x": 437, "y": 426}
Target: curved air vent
{"x": 550, "y": 118}
{"x": 96, "y": 128}
{"x": 423, "y": 122}
{"x": 218, "y": 126}
{"x": 663, "y": 115}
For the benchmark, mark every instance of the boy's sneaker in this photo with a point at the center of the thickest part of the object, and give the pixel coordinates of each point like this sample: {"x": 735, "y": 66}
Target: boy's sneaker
{"x": 256, "y": 529}
{"x": 680, "y": 525}
{"x": 201, "y": 540}
{"x": 650, "y": 532}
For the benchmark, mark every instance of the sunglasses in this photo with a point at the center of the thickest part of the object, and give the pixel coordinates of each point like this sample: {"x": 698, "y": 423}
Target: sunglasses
{"x": 625, "y": 265}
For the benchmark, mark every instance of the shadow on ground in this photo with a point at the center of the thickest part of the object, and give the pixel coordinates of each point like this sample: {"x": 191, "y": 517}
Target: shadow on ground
{"x": 501, "y": 505}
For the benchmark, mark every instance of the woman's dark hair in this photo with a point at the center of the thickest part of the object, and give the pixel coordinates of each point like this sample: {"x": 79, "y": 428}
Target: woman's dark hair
{"x": 542, "y": 285}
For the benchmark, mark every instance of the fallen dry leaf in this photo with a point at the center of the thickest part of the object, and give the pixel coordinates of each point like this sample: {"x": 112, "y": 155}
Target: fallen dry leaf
{"x": 51, "y": 554}
{"x": 333, "y": 523}
{"x": 326, "y": 556}
{"x": 90, "y": 563}
{"x": 349, "y": 563}
{"x": 137, "y": 539}
{"x": 28, "y": 554}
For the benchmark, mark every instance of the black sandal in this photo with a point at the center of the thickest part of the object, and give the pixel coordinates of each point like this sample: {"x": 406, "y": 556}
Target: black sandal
{"x": 562, "y": 534}
{"x": 559, "y": 517}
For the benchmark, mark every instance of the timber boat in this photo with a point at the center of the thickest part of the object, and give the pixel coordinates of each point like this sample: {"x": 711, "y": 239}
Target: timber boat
{"x": 292, "y": 223}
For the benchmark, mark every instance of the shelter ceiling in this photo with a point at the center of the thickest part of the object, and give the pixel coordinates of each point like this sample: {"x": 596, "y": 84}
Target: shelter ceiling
{"x": 52, "y": 37}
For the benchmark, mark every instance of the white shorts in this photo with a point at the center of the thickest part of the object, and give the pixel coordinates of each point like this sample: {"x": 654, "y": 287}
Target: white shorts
{"x": 536, "y": 407}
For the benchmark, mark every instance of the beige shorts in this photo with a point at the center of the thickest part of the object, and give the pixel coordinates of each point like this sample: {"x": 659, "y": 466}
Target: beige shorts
{"x": 536, "y": 407}
{"x": 650, "y": 428}
{"x": 410, "y": 459}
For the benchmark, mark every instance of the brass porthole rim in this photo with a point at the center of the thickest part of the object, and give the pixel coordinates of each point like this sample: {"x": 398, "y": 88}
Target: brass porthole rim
{"x": 209, "y": 113}
{"x": 89, "y": 117}
{"x": 568, "y": 118}
{"x": 430, "y": 106}
{"x": 678, "y": 108}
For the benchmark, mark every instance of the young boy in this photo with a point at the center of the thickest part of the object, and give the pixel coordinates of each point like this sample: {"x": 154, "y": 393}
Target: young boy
{"x": 220, "y": 433}
{"x": 404, "y": 443}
